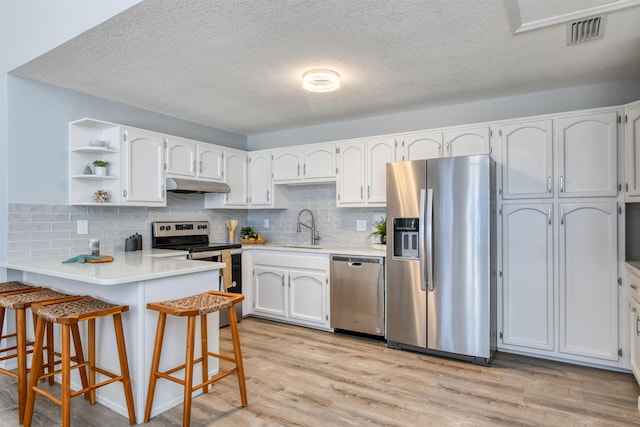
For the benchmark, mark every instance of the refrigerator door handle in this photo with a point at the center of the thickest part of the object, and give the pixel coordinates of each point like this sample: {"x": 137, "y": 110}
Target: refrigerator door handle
{"x": 430, "y": 239}
{"x": 421, "y": 250}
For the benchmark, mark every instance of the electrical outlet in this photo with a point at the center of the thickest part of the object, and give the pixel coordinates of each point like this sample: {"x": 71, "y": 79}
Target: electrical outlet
{"x": 266, "y": 223}
{"x": 361, "y": 225}
{"x": 83, "y": 226}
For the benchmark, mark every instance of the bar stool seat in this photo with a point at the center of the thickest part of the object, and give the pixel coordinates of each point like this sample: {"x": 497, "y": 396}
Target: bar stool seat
{"x": 67, "y": 314}
{"x": 19, "y": 297}
{"x": 197, "y": 305}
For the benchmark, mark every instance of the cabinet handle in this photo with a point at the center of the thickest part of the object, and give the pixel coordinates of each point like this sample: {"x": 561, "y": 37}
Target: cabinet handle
{"x": 368, "y": 191}
{"x": 195, "y": 166}
{"x": 298, "y": 169}
{"x": 549, "y": 216}
{"x": 637, "y": 328}
{"x": 447, "y": 148}
{"x": 561, "y": 184}
{"x": 361, "y": 192}
{"x": 283, "y": 280}
{"x": 267, "y": 195}
{"x": 124, "y": 193}
{"x": 561, "y": 216}
{"x": 200, "y": 166}
{"x": 549, "y": 184}
{"x": 633, "y": 309}
{"x": 634, "y": 287}
{"x": 289, "y": 281}
{"x": 304, "y": 169}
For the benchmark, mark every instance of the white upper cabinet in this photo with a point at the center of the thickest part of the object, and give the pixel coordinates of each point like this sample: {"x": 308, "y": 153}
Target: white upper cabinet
{"x": 304, "y": 164}
{"x": 210, "y": 162}
{"x": 351, "y": 173}
{"x": 467, "y": 141}
{"x": 421, "y": 146}
{"x": 587, "y": 162}
{"x": 260, "y": 186}
{"x": 143, "y": 154}
{"x": 236, "y": 176}
{"x": 527, "y": 151}
{"x": 362, "y": 172}
{"x": 379, "y": 152}
{"x": 632, "y": 152}
{"x": 181, "y": 157}
{"x": 287, "y": 165}
{"x": 192, "y": 159}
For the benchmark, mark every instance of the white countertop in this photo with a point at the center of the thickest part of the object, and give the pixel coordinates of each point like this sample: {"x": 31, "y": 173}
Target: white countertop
{"x": 320, "y": 249}
{"x": 126, "y": 267}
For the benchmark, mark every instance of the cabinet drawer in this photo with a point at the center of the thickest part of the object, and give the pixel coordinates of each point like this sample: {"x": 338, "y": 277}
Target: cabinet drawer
{"x": 634, "y": 283}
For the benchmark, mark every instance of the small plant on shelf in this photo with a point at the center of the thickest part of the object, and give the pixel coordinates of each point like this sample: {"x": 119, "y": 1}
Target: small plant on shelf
{"x": 100, "y": 167}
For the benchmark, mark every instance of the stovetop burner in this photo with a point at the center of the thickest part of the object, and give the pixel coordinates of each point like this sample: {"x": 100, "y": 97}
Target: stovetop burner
{"x": 192, "y": 236}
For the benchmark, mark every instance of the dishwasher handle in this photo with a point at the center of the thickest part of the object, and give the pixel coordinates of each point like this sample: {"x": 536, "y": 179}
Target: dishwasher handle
{"x": 356, "y": 261}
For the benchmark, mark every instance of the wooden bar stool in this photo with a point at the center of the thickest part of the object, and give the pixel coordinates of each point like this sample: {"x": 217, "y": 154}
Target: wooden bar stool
{"x": 20, "y": 298}
{"x": 68, "y": 314}
{"x": 190, "y": 307}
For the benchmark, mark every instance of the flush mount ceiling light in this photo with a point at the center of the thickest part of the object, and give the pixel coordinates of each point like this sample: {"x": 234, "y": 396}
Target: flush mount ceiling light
{"x": 321, "y": 80}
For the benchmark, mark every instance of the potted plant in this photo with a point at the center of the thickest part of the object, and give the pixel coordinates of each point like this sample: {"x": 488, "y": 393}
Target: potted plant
{"x": 380, "y": 229}
{"x": 100, "y": 167}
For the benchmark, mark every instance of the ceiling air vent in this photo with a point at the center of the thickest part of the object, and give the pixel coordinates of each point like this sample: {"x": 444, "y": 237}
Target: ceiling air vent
{"x": 585, "y": 30}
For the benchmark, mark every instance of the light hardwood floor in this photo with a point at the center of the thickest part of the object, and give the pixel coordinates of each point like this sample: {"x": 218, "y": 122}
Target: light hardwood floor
{"x": 303, "y": 377}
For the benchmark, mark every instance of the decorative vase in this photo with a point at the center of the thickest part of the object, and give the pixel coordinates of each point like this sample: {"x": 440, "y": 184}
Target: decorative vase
{"x": 383, "y": 239}
{"x": 100, "y": 170}
{"x": 101, "y": 196}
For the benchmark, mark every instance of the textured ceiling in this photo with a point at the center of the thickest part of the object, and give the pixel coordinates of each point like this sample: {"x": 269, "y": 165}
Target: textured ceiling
{"x": 237, "y": 64}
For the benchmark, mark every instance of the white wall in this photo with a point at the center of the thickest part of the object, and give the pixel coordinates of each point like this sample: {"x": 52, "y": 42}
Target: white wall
{"x": 531, "y": 104}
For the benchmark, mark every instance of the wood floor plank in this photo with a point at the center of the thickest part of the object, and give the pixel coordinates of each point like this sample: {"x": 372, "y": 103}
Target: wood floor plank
{"x": 304, "y": 377}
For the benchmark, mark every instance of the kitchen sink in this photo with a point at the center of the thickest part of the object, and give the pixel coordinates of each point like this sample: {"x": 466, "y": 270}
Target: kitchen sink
{"x": 302, "y": 246}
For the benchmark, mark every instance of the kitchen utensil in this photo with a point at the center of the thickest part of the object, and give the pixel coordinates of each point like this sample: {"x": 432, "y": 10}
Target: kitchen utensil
{"x": 231, "y": 225}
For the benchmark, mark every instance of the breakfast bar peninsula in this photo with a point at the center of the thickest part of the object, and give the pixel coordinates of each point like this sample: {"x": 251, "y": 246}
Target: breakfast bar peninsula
{"x": 135, "y": 279}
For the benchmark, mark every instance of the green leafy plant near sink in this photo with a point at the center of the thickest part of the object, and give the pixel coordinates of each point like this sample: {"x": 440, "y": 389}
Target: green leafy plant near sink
{"x": 248, "y": 233}
{"x": 380, "y": 229}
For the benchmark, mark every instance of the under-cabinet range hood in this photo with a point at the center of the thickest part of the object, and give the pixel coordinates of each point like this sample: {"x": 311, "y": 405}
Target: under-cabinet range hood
{"x": 180, "y": 185}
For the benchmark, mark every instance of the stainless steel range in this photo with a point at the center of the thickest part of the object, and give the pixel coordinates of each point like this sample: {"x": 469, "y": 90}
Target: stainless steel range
{"x": 193, "y": 237}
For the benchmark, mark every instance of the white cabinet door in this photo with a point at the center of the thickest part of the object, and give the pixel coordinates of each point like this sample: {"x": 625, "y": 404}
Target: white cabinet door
{"x": 319, "y": 163}
{"x": 421, "y": 147}
{"x": 527, "y": 150}
{"x": 286, "y": 165}
{"x": 466, "y": 142}
{"x": 181, "y": 157}
{"x": 144, "y": 168}
{"x": 587, "y": 155}
{"x": 351, "y": 174}
{"x": 379, "y": 152}
{"x": 634, "y": 337}
{"x": 260, "y": 179}
{"x": 632, "y": 151}
{"x": 270, "y": 292}
{"x": 235, "y": 167}
{"x": 588, "y": 288}
{"x": 308, "y": 296}
{"x": 528, "y": 286}
{"x": 210, "y": 163}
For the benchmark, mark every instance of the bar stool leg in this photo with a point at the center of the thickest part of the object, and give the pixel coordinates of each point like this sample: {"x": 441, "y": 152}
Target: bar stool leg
{"x": 205, "y": 349}
{"x": 66, "y": 376}
{"x": 50, "y": 349}
{"x": 91, "y": 347}
{"x": 124, "y": 366}
{"x": 79, "y": 357}
{"x": 235, "y": 338}
{"x": 1, "y": 321}
{"x": 155, "y": 364}
{"x": 21, "y": 343}
{"x": 36, "y": 365}
{"x": 188, "y": 371}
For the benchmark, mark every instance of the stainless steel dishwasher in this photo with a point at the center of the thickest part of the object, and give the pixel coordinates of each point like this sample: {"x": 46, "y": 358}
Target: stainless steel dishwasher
{"x": 357, "y": 294}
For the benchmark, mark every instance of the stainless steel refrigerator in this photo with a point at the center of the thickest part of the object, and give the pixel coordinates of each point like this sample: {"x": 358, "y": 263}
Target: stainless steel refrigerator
{"x": 441, "y": 257}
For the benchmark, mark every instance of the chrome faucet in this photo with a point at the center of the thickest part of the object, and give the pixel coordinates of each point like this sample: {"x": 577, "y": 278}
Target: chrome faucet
{"x": 314, "y": 233}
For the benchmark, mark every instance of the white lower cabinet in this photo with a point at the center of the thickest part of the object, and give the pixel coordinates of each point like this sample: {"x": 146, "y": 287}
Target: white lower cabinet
{"x": 291, "y": 287}
{"x": 633, "y": 276}
{"x": 569, "y": 311}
